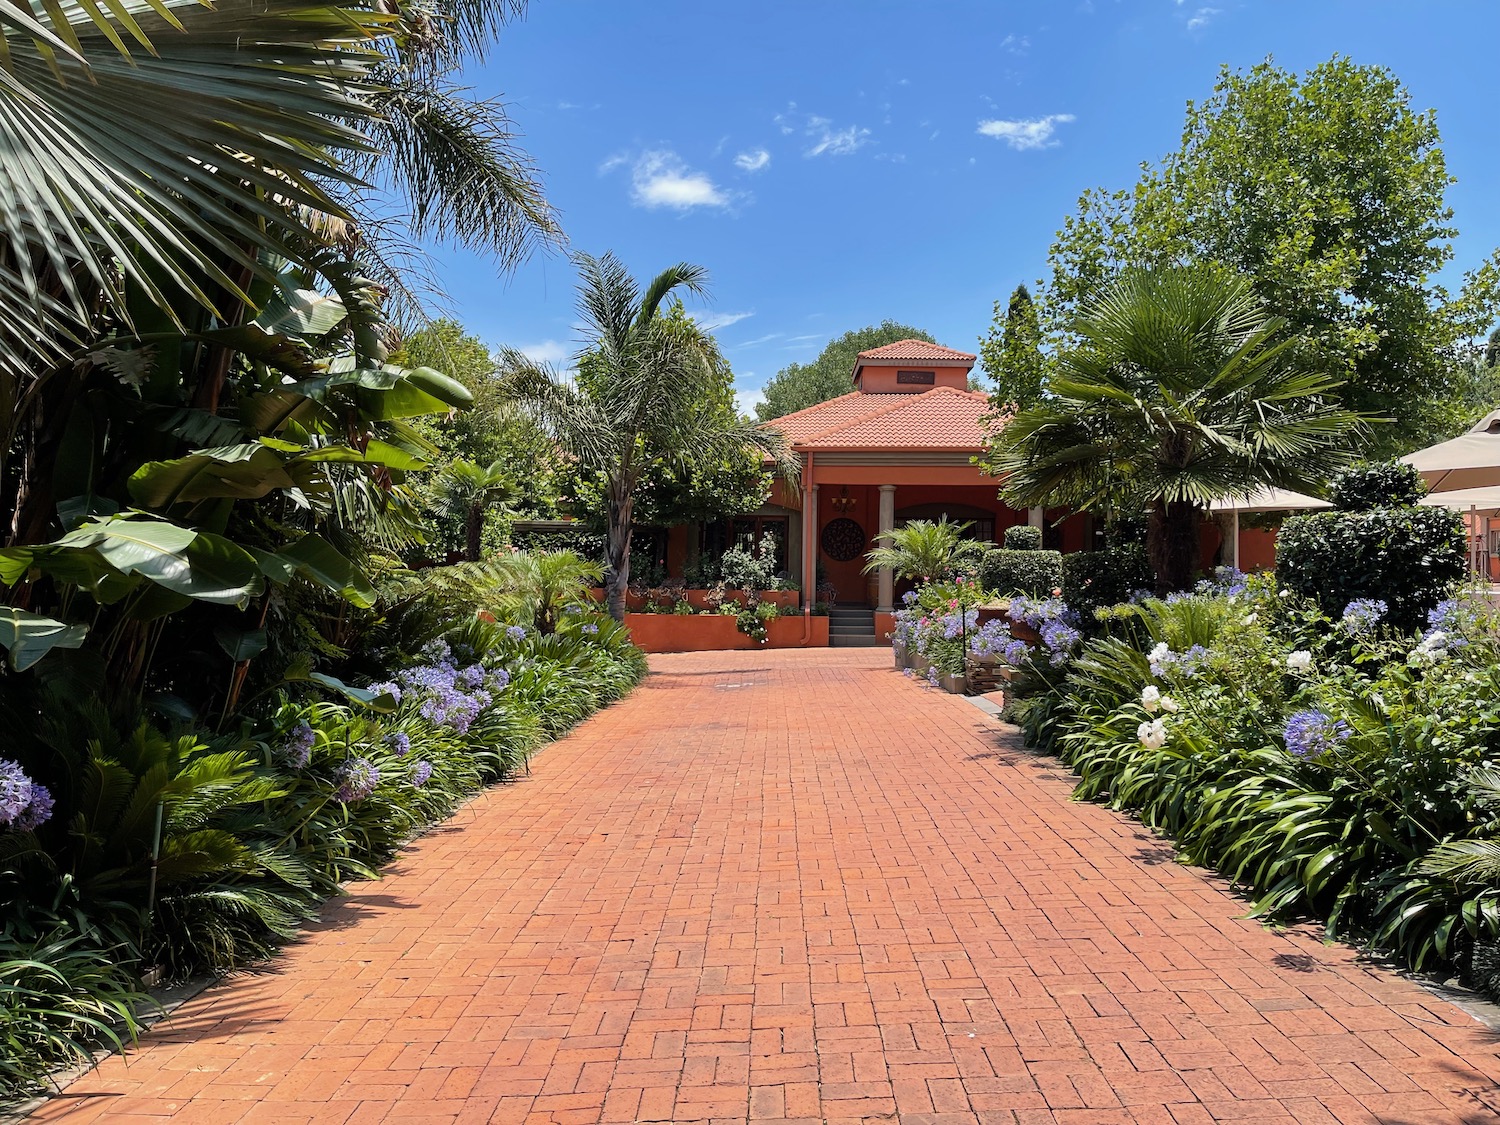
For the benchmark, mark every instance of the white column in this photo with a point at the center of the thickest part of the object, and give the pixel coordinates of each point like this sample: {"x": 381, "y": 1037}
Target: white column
{"x": 810, "y": 546}
{"x": 886, "y": 580}
{"x": 1034, "y": 517}
{"x": 1236, "y": 539}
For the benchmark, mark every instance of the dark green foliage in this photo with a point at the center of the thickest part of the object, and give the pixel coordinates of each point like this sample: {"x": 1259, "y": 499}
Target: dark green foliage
{"x": 1379, "y": 484}
{"x": 1012, "y": 353}
{"x": 1409, "y": 558}
{"x": 582, "y": 542}
{"x": 1097, "y": 579}
{"x": 1023, "y": 537}
{"x": 1035, "y": 573}
{"x": 800, "y": 385}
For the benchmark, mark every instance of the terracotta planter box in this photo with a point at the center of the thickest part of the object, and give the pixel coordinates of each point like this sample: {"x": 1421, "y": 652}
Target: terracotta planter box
{"x": 698, "y": 599}
{"x": 671, "y": 632}
{"x": 988, "y": 613}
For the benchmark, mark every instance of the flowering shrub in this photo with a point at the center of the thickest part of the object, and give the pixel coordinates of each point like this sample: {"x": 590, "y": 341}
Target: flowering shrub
{"x": 1335, "y": 766}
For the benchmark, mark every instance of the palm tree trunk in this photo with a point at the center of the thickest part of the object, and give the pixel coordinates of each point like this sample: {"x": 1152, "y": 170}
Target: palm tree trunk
{"x": 474, "y": 531}
{"x": 617, "y": 553}
{"x": 1172, "y": 544}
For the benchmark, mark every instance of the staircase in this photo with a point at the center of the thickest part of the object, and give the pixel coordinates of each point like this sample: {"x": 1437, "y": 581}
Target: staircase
{"x": 852, "y": 626}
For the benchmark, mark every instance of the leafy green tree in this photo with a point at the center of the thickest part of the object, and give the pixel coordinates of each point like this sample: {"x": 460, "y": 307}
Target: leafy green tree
{"x": 1327, "y": 192}
{"x": 924, "y": 551}
{"x": 1012, "y": 352}
{"x": 645, "y": 392}
{"x": 1180, "y": 391}
{"x": 471, "y": 491}
{"x": 800, "y": 385}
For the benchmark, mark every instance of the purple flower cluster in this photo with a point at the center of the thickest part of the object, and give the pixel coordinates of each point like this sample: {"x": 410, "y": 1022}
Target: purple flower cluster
{"x": 420, "y": 773}
{"x": 1313, "y": 733}
{"x": 590, "y": 629}
{"x": 24, "y": 804}
{"x": 1227, "y": 581}
{"x": 1363, "y": 614}
{"x": 990, "y": 639}
{"x": 390, "y": 688}
{"x": 1164, "y": 662}
{"x": 1017, "y": 653}
{"x": 355, "y": 780}
{"x": 399, "y": 742}
{"x": 448, "y": 695}
{"x": 297, "y": 747}
{"x": 516, "y": 632}
{"x": 932, "y": 676}
{"x": 1054, "y": 622}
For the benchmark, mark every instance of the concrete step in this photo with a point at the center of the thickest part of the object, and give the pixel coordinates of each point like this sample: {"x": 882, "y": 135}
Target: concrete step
{"x": 840, "y": 641}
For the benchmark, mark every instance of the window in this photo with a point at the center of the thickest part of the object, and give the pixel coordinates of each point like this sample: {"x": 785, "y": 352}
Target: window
{"x": 921, "y": 378}
{"x": 719, "y": 537}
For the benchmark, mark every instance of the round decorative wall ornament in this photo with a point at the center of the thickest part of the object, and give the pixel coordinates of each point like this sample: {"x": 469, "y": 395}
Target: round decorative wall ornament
{"x": 843, "y": 539}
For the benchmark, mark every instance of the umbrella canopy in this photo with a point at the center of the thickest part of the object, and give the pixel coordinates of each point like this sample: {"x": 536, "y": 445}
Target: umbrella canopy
{"x": 1469, "y": 461}
{"x": 1482, "y": 500}
{"x": 1270, "y": 500}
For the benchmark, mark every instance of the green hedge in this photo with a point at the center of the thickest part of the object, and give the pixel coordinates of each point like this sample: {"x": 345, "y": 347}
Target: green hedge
{"x": 1023, "y": 537}
{"x": 1409, "y": 558}
{"x": 1035, "y": 573}
{"x": 1095, "y": 579}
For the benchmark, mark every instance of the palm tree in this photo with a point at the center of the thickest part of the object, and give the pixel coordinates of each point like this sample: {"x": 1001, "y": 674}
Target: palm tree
{"x": 538, "y": 586}
{"x": 472, "y": 490}
{"x": 924, "y": 551}
{"x": 643, "y": 395}
{"x": 1181, "y": 391}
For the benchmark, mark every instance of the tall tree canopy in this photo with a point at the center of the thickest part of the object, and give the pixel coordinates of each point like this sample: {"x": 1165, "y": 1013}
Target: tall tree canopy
{"x": 800, "y": 385}
{"x": 1179, "y": 391}
{"x": 1326, "y": 191}
{"x": 647, "y": 392}
{"x": 1012, "y": 352}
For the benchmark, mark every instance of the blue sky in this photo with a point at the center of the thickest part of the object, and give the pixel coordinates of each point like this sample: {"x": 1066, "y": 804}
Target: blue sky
{"x": 837, "y": 163}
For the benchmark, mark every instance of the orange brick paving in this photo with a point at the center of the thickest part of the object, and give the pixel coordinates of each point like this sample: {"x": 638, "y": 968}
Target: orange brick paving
{"x": 792, "y": 886}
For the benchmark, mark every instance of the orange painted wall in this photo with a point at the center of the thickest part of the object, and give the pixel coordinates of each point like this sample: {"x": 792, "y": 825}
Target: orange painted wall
{"x": 1257, "y": 548}
{"x": 882, "y": 380}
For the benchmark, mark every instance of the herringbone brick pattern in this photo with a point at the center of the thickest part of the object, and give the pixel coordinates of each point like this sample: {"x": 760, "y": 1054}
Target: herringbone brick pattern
{"x": 792, "y": 886}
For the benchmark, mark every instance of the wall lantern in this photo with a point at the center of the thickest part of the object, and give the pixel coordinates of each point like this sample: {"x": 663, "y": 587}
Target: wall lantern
{"x": 843, "y": 503}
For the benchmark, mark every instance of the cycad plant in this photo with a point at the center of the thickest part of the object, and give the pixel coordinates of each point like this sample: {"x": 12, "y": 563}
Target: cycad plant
{"x": 645, "y": 394}
{"x": 924, "y": 551}
{"x": 1182, "y": 390}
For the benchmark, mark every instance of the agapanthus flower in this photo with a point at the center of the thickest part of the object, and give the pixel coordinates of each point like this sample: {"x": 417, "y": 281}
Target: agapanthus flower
{"x": 1151, "y": 698}
{"x": 1363, "y": 614}
{"x": 590, "y": 629}
{"x": 910, "y": 597}
{"x": 355, "y": 780}
{"x": 1312, "y": 733}
{"x": 388, "y": 687}
{"x": 932, "y": 676}
{"x": 297, "y": 747}
{"x": 1164, "y": 662}
{"x": 1227, "y": 581}
{"x": 420, "y": 772}
{"x": 16, "y": 791}
{"x": 1017, "y": 653}
{"x": 1169, "y": 705}
{"x": 37, "y": 812}
{"x": 498, "y": 679}
{"x": 470, "y": 677}
{"x": 1436, "y": 645}
{"x": 1153, "y": 734}
{"x": 516, "y": 632}
{"x": 399, "y": 742}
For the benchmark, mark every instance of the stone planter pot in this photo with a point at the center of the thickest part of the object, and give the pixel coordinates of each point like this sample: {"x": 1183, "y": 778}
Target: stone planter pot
{"x": 954, "y": 685}
{"x": 898, "y": 653}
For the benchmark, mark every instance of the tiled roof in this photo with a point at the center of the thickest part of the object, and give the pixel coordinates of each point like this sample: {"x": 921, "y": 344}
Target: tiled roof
{"x": 918, "y": 351}
{"x": 942, "y": 418}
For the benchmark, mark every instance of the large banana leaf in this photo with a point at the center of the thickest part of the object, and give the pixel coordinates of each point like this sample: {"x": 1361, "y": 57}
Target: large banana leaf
{"x": 28, "y": 636}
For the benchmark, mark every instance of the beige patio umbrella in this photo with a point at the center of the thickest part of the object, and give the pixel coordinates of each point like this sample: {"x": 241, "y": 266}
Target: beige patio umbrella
{"x": 1264, "y": 500}
{"x": 1471, "y": 460}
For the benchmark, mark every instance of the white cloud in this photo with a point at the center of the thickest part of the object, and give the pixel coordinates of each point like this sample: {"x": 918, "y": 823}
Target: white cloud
{"x": 823, "y": 136}
{"x": 766, "y": 339}
{"x": 547, "y": 351}
{"x": 1025, "y": 133}
{"x": 1201, "y": 18}
{"x": 712, "y": 322}
{"x": 1015, "y": 44}
{"x": 746, "y": 400}
{"x": 835, "y": 142}
{"x": 753, "y": 160}
{"x": 660, "y": 179}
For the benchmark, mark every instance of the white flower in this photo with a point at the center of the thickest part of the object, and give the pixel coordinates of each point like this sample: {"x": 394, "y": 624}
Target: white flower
{"x": 1151, "y": 698}
{"x": 1169, "y": 705}
{"x": 1299, "y": 662}
{"x": 1153, "y": 735}
{"x": 1285, "y": 594}
{"x": 1250, "y": 618}
{"x": 1160, "y": 652}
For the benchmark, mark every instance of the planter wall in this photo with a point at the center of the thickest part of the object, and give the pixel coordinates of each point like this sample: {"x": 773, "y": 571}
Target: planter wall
{"x": 670, "y": 632}
{"x": 698, "y": 599}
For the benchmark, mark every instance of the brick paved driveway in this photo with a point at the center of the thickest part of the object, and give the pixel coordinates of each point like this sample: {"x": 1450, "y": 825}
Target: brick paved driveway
{"x": 792, "y": 885}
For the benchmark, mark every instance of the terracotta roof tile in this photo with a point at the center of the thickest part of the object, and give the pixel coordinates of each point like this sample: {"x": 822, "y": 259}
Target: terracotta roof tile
{"x": 918, "y": 351}
{"x": 941, "y": 419}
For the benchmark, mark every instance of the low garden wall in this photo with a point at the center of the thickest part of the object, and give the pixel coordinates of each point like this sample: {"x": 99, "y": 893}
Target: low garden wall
{"x": 707, "y": 632}
{"x": 698, "y": 599}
